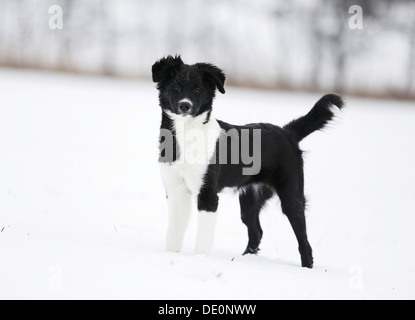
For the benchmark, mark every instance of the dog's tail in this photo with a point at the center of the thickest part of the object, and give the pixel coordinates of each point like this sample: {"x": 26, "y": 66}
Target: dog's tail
{"x": 316, "y": 119}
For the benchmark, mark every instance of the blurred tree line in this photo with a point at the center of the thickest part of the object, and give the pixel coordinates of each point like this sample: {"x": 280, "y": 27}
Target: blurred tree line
{"x": 295, "y": 45}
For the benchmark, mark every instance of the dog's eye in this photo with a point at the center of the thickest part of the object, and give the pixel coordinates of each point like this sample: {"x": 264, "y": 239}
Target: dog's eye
{"x": 177, "y": 88}
{"x": 197, "y": 91}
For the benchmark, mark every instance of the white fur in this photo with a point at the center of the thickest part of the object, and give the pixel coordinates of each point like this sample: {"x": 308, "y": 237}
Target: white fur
{"x": 184, "y": 178}
{"x": 205, "y": 232}
{"x": 186, "y": 100}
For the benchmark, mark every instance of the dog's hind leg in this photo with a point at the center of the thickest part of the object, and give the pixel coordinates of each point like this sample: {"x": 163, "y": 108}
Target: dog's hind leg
{"x": 252, "y": 198}
{"x": 293, "y": 205}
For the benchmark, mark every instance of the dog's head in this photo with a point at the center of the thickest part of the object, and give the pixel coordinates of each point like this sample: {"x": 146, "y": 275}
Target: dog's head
{"x": 187, "y": 90}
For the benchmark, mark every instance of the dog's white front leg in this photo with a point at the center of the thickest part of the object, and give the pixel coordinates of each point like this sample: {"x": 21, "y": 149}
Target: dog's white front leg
{"x": 179, "y": 204}
{"x": 205, "y": 232}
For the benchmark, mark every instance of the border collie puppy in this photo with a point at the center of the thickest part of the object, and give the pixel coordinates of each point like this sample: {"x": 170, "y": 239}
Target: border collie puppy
{"x": 200, "y": 156}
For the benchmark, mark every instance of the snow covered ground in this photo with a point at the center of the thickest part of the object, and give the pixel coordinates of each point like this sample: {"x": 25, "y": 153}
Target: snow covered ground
{"x": 83, "y": 214}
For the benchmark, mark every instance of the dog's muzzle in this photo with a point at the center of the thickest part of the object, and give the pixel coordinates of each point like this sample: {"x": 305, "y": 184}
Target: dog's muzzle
{"x": 185, "y": 105}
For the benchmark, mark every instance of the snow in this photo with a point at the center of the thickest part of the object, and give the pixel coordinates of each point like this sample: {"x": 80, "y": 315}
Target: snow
{"x": 83, "y": 213}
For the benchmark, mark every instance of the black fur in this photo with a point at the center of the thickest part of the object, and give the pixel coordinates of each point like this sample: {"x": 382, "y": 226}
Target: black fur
{"x": 316, "y": 119}
{"x": 281, "y": 169}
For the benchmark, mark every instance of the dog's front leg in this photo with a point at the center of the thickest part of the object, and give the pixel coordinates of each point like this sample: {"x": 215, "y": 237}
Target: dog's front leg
{"x": 207, "y": 204}
{"x": 179, "y": 205}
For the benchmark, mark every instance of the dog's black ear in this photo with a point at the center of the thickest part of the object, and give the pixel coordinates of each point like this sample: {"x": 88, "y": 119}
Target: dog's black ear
{"x": 166, "y": 68}
{"x": 213, "y": 74}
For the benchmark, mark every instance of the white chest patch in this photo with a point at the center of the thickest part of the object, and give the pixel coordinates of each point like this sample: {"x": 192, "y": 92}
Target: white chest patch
{"x": 197, "y": 143}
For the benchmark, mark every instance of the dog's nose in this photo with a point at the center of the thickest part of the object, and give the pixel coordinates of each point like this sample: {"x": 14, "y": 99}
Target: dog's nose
{"x": 184, "y": 107}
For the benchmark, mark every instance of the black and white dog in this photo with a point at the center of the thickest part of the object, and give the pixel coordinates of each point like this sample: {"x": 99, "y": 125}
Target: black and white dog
{"x": 200, "y": 156}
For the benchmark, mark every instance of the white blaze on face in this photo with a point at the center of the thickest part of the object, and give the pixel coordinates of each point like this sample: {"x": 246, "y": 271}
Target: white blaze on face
{"x": 186, "y": 100}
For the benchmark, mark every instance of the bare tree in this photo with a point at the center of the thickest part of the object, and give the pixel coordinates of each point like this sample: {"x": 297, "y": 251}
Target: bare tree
{"x": 67, "y": 35}
{"x": 108, "y": 37}
{"x": 411, "y": 55}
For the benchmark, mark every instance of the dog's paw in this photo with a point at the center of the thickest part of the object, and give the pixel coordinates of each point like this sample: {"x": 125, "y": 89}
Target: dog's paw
{"x": 173, "y": 247}
{"x": 251, "y": 250}
{"x": 307, "y": 262}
